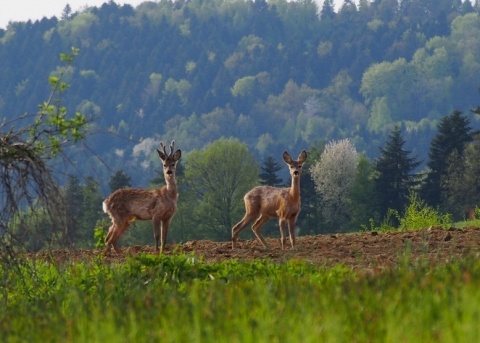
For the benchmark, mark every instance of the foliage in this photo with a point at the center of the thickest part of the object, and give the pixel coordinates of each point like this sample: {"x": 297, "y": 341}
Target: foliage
{"x": 454, "y": 132}
{"x": 91, "y": 209}
{"x": 388, "y": 222}
{"x": 361, "y": 203}
{"x": 395, "y": 177}
{"x": 310, "y": 220}
{"x": 416, "y": 215}
{"x": 216, "y": 179}
{"x": 419, "y": 215}
{"x": 119, "y": 180}
{"x": 461, "y": 182}
{"x": 27, "y": 144}
{"x": 299, "y": 72}
{"x": 97, "y": 302}
{"x": 334, "y": 176}
{"x": 269, "y": 169}
{"x": 99, "y": 233}
{"x": 248, "y": 70}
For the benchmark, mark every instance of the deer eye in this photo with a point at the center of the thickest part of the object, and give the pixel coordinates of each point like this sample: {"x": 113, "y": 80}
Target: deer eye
{"x": 299, "y": 166}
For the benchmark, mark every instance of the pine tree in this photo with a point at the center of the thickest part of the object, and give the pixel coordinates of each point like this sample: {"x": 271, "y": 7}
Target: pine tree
{"x": 119, "y": 180}
{"x": 454, "y": 132}
{"x": 395, "y": 174}
{"x": 268, "y": 175}
{"x": 328, "y": 10}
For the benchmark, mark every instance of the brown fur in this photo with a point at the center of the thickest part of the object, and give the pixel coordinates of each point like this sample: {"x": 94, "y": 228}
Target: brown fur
{"x": 265, "y": 202}
{"x": 126, "y": 205}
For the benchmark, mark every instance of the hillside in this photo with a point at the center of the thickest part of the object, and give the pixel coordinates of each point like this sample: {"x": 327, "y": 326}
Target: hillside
{"x": 275, "y": 75}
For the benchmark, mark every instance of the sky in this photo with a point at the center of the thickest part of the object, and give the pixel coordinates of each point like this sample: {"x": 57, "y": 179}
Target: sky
{"x": 23, "y": 10}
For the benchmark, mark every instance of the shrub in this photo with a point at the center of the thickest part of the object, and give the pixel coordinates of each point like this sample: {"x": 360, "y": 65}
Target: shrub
{"x": 417, "y": 215}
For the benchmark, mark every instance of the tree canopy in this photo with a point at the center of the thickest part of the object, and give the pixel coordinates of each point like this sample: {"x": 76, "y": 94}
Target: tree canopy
{"x": 276, "y": 75}
{"x": 216, "y": 179}
{"x": 454, "y": 132}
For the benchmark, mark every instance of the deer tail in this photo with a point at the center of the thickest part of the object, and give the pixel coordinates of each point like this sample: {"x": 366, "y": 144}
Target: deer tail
{"x": 104, "y": 206}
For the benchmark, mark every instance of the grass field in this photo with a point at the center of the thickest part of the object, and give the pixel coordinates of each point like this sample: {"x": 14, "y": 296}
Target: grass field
{"x": 179, "y": 298}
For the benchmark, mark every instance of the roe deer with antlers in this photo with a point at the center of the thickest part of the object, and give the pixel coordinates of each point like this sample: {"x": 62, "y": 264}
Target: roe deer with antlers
{"x": 265, "y": 202}
{"x": 125, "y": 205}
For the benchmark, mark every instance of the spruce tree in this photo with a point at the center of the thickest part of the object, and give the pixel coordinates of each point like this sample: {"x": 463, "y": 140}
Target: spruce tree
{"x": 395, "y": 174}
{"x": 119, "y": 180}
{"x": 454, "y": 132}
{"x": 328, "y": 10}
{"x": 269, "y": 169}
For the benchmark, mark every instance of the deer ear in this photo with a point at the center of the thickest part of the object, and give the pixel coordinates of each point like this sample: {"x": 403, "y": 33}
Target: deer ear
{"x": 302, "y": 157}
{"x": 162, "y": 155}
{"x": 177, "y": 155}
{"x": 287, "y": 158}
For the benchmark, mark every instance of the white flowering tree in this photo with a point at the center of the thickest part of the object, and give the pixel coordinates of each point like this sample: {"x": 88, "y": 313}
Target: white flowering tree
{"x": 334, "y": 176}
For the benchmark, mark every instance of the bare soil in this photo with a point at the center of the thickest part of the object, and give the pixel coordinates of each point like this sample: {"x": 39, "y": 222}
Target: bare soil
{"x": 373, "y": 251}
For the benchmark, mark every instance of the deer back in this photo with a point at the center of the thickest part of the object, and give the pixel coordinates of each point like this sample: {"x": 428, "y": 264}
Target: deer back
{"x": 272, "y": 201}
{"x": 129, "y": 204}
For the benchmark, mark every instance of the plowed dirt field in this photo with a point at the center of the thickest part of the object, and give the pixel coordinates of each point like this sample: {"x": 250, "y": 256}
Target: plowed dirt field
{"x": 364, "y": 251}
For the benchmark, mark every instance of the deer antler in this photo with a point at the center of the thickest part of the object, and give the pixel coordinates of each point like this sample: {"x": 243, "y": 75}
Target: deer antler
{"x": 162, "y": 146}
{"x": 171, "y": 148}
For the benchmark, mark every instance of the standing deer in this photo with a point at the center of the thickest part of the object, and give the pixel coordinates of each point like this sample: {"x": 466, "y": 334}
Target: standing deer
{"x": 125, "y": 205}
{"x": 265, "y": 202}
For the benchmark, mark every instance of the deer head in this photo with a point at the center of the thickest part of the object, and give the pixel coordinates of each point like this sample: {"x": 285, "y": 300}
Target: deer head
{"x": 295, "y": 165}
{"x": 169, "y": 160}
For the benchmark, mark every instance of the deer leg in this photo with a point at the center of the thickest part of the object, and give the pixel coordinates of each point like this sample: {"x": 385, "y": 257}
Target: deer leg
{"x": 165, "y": 226}
{"x": 118, "y": 233}
{"x": 256, "y": 229}
{"x": 114, "y": 233}
{"x": 242, "y": 224}
{"x": 108, "y": 238}
{"x": 156, "y": 231}
{"x": 291, "y": 231}
{"x": 281, "y": 226}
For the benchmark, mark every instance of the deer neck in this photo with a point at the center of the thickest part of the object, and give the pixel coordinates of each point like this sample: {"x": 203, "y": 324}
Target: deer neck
{"x": 171, "y": 185}
{"x": 295, "y": 189}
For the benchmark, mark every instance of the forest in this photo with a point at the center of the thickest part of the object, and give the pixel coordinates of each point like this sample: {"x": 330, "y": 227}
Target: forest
{"x": 388, "y": 87}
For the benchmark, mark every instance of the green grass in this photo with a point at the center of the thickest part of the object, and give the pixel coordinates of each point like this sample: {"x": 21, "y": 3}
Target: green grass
{"x": 181, "y": 299}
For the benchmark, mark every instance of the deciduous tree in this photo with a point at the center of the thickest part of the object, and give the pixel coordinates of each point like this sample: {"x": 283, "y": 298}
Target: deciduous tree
{"x": 216, "y": 179}
{"x": 334, "y": 176}
{"x": 27, "y": 145}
